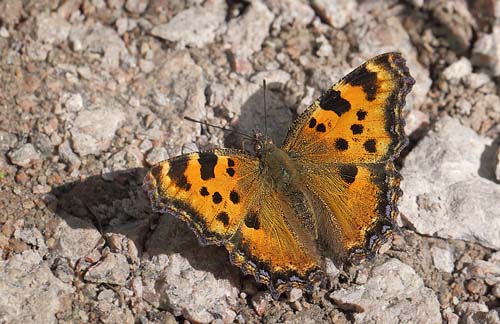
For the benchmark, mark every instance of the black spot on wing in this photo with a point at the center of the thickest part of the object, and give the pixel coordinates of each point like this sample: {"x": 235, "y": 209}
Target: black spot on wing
{"x": 370, "y": 146}
{"x": 176, "y": 173}
{"x": 207, "y": 161}
{"x": 252, "y": 220}
{"x": 230, "y": 162}
{"x": 234, "y": 197}
{"x": 332, "y": 100}
{"x": 230, "y": 171}
{"x": 348, "y": 173}
{"x": 216, "y": 198}
{"x": 361, "y": 114}
{"x": 341, "y": 144}
{"x": 321, "y": 128}
{"x": 356, "y": 129}
{"x": 204, "y": 191}
{"x": 366, "y": 79}
{"x": 312, "y": 123}
{"x": 223, "y": 217}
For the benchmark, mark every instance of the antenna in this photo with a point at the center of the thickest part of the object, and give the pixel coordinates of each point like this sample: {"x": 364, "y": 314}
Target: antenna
{"x": 219, "y": 127}
{"x": 265, "y": 109}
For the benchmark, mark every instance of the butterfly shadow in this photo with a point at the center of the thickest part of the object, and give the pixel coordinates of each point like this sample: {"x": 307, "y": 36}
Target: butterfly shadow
{"x": 489, "y": 161}
{"x": 115, "y": 203}
{"x": 253, "y": 115}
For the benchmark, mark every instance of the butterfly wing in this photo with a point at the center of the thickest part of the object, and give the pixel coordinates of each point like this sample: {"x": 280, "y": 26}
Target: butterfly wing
{"x": 221, "y": 195}
{"x": 345, "y": 143}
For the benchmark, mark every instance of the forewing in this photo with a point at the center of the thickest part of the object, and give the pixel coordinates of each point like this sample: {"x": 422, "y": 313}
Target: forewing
{"x": 359, "y": 119}
{"x": 206, "y": 189}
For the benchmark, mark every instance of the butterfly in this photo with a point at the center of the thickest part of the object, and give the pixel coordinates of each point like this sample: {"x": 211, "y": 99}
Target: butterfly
{"x": 330, "y": 190}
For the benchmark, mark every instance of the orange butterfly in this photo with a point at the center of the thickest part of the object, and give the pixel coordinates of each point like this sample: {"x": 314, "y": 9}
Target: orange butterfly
{"x": 329, "y": 190}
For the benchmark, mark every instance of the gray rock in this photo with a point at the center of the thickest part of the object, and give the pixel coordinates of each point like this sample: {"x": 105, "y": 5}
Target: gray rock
{"x": 456, "y": 20}
{"x": 486, "y": 52}
{"x": 497, "y": 169}
{"x": 196, "y": 26}
{"x": 136, "y": 6}
{"x": 7, "y": 140}
{"x": 74, "y": 238}
{"x": 33, "y": 237}
{"x": 458, "y": 70}
{"x": 394, "y": 293}
{"x": 127, "y": 158}
{"x": 290, "y": 12}
{"x": 416, "y": 120}
{"x": 68, "y": 156}
{"x": 38, "y": 51}
{"x": 325, "y": 49}
{"x": 488, "y": 271}
{"x": 110, "y": 313}
{"x": 252, "y": 26}
{"x": 105, "y": 41}
{"x": 176, "y": 88}
{"x": 469, "y": 308}
{"x": 495, "y": 290}
{"x": 196, "y": 282}
{"x": 335, "y": 13}
{"x": 113, "y": 269}
{"x": 93, "y": 130}
{"x": 30, "y": 292}
{"x": 52, "y": 28}
{"x": 157, "y": 154}
{"x": 122, "y": 25}
{"x": 24, "y": 155}
{"x": 11, "y": 11}
{"x": 443, "y": 259}
{"x": 445, "y": 195}
{"x": 73, "y": 102}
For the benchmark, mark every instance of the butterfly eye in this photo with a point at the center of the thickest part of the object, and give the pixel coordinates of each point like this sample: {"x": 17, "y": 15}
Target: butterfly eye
{"x": 257, "y": 147}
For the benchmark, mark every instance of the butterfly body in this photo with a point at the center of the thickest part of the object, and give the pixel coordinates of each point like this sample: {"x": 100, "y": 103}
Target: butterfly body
{"x": 329, "y": 190}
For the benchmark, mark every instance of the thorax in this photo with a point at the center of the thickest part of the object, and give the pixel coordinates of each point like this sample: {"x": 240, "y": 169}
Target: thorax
{"x": 279, "y": 167}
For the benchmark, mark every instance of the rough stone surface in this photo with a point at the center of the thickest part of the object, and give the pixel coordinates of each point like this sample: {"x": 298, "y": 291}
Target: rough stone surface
{"x": 92, "y": 94}
{"x": 335, "y": 13}
{"x": 405, "y": 297}
{"x": 136, "y": 6}
{"x": 290, "y": 12}
{"x": 94, "y": 130}
{"x": 74, "y": 238}
{"x": 443, "y": 259}
{"x": 113, "y": 269}
{"x": 458, "y": 70}
{"x": 196, "y": 26}
{"x": 198, "y": 284}
{"x": 486, "y": 52}
{"x": 446, "y": 194}
{"x": 497, "y": 169}
{"x": 52, "y": 28}
{"x": 30, "y": 292}
{"x": 252, "y": 26}
{"x": 103, "y": 41}
{"x": 24, "y": 155}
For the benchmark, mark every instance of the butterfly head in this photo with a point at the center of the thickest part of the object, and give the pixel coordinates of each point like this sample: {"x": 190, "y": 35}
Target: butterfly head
{"x": 262, "y": 143}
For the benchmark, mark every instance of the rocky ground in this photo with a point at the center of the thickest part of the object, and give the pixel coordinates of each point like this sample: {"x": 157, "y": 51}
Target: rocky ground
{"x": 93, "y": 93}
